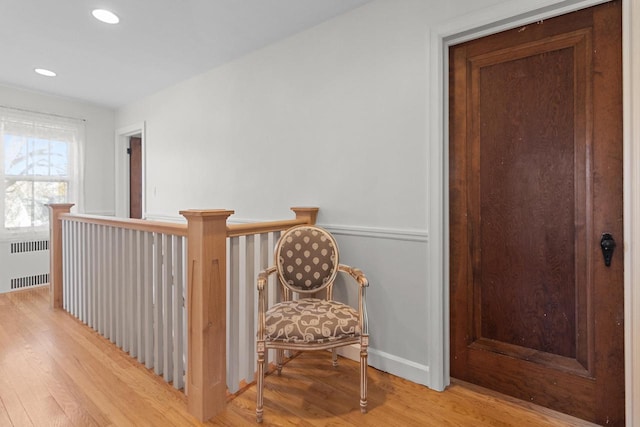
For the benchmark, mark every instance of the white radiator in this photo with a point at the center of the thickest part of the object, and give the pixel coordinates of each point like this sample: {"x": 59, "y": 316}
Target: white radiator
{"x": 23, "y": 264}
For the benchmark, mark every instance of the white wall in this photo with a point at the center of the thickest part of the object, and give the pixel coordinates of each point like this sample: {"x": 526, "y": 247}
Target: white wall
{"x": 335, "y": 117}
{"x": 98, "y": 150}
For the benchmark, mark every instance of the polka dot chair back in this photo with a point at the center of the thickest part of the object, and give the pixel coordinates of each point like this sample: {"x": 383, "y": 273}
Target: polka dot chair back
{"x": 306, "y": 259}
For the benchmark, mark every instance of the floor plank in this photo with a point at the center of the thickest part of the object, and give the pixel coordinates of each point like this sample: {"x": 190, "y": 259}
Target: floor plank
{"x": 55, "y": 371}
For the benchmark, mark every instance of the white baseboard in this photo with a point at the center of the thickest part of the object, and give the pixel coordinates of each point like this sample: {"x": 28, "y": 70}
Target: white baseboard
{"x": 390, "y": 363}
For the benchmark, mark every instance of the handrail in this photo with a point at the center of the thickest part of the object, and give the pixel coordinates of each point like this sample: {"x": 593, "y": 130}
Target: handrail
{"x": 129, "y": 223}
{"x": 233, "y": 230}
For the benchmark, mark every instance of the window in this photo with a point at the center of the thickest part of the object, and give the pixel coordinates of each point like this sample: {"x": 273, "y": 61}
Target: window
{"x": 39, "y": 165}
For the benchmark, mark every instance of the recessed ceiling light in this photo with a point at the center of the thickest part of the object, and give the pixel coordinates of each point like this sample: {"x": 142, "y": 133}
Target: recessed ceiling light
{"x": 105, "y": 16}
{"x": 45, "y": 72}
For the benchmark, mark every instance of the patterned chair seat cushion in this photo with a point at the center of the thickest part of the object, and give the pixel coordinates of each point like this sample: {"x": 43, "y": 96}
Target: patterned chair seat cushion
{"x": 311, "y": 320}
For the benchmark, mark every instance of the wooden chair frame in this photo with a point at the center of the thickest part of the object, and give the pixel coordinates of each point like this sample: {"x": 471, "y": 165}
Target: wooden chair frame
{"x": 287, "y": 292}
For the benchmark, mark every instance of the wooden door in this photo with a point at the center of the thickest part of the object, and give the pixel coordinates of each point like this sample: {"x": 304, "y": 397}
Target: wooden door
{"x": 535, "y": 181}
{"x": 135, "y": 177}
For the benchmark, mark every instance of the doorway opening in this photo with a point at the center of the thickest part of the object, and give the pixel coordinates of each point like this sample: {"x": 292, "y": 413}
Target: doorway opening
{"x": 130, "y": 171}
{"x": 135, "y": 176}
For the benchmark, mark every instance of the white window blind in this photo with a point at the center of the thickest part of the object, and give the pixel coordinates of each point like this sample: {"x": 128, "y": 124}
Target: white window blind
{"x": 40, "y": 163}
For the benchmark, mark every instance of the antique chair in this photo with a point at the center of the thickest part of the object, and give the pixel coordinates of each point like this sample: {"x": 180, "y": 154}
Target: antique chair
{"x": 306, "y": 263}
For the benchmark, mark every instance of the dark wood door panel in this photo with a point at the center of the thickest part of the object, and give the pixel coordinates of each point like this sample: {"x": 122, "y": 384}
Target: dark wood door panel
{"x": 135, "y": 177}
{"x": 527, "y": 280}
{"x": 535, "y": 179}
{"x": 568, "y": 389}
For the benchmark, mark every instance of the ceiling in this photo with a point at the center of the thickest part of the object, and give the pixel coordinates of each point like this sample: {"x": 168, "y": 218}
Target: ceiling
{"x": 156, "y": 44}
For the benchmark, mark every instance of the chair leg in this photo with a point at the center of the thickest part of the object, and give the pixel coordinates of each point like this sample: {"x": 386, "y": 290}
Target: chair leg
{"x": 260, "y": 383}
{"x": 363, "y": 374}
{"x": 279, "y": 359}
{"x": 334, "y": 356}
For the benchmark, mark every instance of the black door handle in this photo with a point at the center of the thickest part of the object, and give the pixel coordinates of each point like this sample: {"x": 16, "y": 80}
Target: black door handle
{"x": 608, "y": 245}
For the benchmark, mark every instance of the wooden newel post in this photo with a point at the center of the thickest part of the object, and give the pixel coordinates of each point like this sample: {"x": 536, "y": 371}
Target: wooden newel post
{"x": 308, "y": 214}
{"x": 55, "y": 252}
{"x": 206, "y": 386}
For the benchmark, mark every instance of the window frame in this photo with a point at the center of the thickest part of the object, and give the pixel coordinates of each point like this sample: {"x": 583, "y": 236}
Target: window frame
{"x": 34, "y": 126}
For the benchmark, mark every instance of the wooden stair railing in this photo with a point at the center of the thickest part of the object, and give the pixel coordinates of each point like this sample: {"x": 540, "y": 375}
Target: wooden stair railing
{"x": 208, "y": 237}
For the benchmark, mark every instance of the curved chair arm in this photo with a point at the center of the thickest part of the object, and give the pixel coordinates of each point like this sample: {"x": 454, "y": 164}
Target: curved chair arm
{"x": 362, "y": 280}
{"x": 263, "y": 277}
{"x": 356, "y": 273}
{"x": 263, "y": 280}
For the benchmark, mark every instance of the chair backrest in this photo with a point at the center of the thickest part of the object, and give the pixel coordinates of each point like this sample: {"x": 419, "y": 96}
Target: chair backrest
{"x": 306, "y": 259}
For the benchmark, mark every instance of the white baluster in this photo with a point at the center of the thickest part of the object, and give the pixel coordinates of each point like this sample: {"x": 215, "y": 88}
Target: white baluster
{"x": 78, "y": 270}
{"x": 274, "y": 285}
{"x": 73, "y": 284}
{"x": 111, "y": 283}
{"x": 158, "y": 345}
{"x": 233, "y": 313}
{"x": 84, "y": 276}
{"x": 138, "y": 296}
{"x": 74, "y": 269}
{"x": 113, "y": 280}
{"x": 91, "y": 281}
{"x": 260, "y": 262}
{"x": 122, "y": 289}
{"x": 178, "y": 304}
{"x": 167, "y": 298}
{"x": 131, "y": 292}
{"x": 147, "y": 280}
{"x": 185, "y": 344}
{"x": 128, "y": 292}
{"x": 266, "y": 256}
{"x": 66, "y": 257}
{"x": 119, "y": 283}
{"x": 100, "y": 257}
{"x": 246, "y": 308}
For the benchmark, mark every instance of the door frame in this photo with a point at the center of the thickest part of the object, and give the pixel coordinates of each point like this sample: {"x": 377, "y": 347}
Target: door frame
{"x": 479, "y": 24}
{"x": 121, "y": 178}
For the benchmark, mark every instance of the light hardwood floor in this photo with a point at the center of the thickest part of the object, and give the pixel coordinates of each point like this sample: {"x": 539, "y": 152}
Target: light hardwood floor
{"x": 55, "y": 371}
